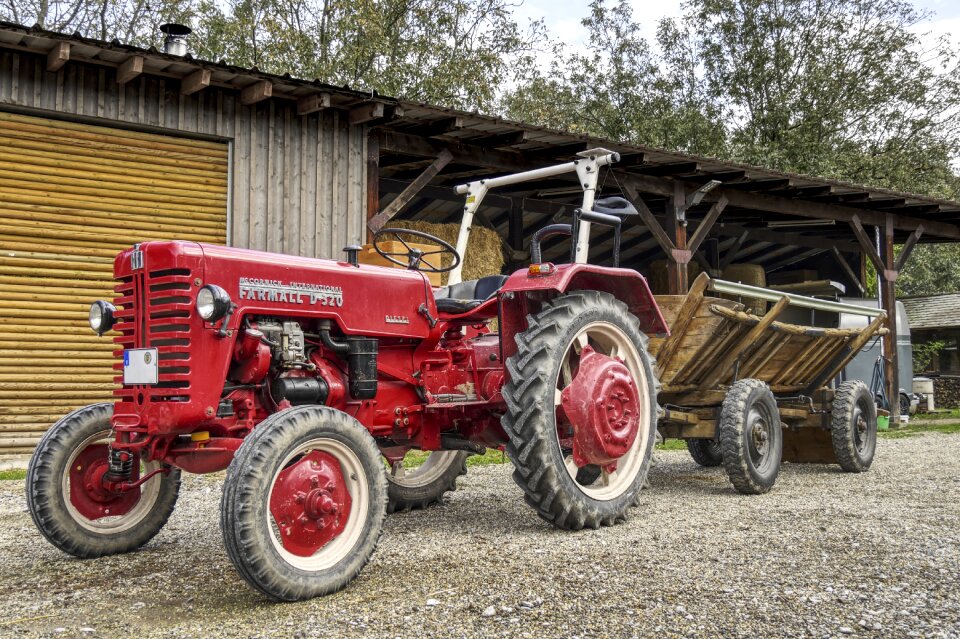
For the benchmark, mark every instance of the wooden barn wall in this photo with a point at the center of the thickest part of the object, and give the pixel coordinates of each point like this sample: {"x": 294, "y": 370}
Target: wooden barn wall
{"x": 298, "y": 182}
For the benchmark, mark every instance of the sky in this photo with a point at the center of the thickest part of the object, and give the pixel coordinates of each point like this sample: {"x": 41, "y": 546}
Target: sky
{"x": 562, "y": 17}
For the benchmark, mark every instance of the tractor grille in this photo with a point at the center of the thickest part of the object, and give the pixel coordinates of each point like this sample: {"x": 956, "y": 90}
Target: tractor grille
{"x": 155, "y": 310}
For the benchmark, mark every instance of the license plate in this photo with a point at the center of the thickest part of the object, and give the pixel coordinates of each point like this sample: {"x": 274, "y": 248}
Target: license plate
{"x": 140, "y": 366}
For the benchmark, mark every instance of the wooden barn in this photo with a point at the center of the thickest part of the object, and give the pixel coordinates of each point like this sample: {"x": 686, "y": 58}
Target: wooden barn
{"x": 103, "y": 145}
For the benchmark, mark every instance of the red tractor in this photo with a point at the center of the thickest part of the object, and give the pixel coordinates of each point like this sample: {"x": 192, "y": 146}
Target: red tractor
{"x": 301, "y": 376}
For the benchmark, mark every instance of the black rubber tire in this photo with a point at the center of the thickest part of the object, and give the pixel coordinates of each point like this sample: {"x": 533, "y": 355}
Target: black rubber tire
{"x": 244, "y": 513}
{"x": 854, "y": 443}
{"x": 705, "y": 452}
{"x": 531, "y": 426}
{"x": 734, "y": 435}
{"x": 403, "y": 498}
{"x": 47, "y": 503}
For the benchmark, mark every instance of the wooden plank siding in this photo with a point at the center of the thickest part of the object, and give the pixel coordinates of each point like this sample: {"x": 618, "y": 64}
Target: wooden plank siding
{"x": 298, "y": 182}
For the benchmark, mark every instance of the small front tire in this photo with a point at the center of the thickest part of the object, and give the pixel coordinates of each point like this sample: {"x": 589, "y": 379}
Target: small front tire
{"x": 705, "y": 452}
{"x": 750, "y": 437}
{"x": 854, "y": 426}
{"x": 411, "y": 489}
{"x": 304, "y": 503}
{"x": 66, "y": 501}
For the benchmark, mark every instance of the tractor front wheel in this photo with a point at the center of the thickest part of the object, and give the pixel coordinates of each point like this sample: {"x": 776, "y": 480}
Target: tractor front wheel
{"x": 581, "y": 410}
{"x": 304, "y": 503}
{"x": 413, "y": 488}
{"x": 67, "y": 499}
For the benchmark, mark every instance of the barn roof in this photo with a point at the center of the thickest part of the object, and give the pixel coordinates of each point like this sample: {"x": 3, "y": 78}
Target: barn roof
{"x": 933, "y": 311}
{"x": 779, "y": 209}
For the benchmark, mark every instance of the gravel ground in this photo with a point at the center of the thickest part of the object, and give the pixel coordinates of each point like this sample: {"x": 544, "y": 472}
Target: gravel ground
{"x": 825, "y": 554}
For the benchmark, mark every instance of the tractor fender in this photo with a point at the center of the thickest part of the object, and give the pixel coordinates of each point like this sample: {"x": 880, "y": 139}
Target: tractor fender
{"x": 626, "y": 285}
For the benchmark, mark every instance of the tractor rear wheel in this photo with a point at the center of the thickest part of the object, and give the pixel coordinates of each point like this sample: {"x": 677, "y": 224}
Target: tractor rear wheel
{"x": 854, "y": 426}
{"x": 413, "y": 488}
{"x": 66, "y": 498}
{"x": 705, "y": 452}
{"x": 581, "y": 410}
{"x": 304, "y": 503}
{"x": 750, "y": 436}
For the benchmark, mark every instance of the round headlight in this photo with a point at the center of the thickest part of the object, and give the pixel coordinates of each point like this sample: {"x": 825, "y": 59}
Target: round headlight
{"x": 212, "y": 302}
{"x": 101, "y": 316}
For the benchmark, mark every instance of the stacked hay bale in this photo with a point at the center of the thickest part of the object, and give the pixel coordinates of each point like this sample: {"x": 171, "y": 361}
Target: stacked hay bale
{"x": 484, "y": 249}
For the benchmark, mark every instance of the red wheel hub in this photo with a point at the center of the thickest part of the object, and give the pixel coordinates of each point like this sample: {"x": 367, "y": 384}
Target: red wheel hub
{"x": 310, "y": 503}
{"x": 87, "y": 492}
{"x": 603, "y": 404}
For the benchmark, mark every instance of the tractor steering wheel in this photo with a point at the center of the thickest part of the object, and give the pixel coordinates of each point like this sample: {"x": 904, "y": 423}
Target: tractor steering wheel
{"x": 415, "y": 258}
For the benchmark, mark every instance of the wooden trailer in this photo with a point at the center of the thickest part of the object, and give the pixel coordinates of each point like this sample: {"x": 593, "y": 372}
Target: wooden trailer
{"x": 747, "y": 391}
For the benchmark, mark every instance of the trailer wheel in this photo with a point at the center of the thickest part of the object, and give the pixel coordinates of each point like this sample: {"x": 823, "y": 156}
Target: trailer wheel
{"x": 705, "y": 452}
{"x": 555, "y": 379}
{"x": 750, "y": 436}
{"x": 66, "y": 499}
{"x": 304, "y": 503}
{"x": 854, "y": 426}
{"x": 410, "y": 489}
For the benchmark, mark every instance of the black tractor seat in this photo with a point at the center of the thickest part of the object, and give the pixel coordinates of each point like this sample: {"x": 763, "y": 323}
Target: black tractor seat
{"x": 466, "y": 296}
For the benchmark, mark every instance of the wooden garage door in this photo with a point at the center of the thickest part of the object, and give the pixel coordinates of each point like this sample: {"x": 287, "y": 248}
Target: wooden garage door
{"x": 71, "y": 197}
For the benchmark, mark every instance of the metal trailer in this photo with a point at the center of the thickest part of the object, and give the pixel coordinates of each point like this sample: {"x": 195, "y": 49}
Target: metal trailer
{"x": 748, "y": 391}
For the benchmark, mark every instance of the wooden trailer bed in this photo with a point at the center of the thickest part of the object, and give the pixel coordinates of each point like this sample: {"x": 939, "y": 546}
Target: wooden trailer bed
{"x": 714, "y": 342}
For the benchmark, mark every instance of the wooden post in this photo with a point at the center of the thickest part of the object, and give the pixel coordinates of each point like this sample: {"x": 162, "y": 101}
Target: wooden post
{"x": 515, "y": 232}
{"x": 889, "y": 300}
{"x": 373, "y": 180}
{"x": 677, "y": 280}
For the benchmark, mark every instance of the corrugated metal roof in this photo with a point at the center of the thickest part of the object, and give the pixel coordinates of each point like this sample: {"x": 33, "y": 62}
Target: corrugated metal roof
{"x": 933, "y": 311}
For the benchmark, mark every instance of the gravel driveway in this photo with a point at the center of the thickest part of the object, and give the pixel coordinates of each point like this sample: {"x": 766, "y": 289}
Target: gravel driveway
{"x": 825, "y": 554}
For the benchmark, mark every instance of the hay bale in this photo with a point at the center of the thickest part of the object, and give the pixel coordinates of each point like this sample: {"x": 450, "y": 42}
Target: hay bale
{"x": 484, "y": 249}
{"x": 752, "y": 274}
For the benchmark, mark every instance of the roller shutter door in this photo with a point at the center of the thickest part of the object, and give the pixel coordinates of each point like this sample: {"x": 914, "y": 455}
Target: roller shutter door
{"x": 71, "y": 197}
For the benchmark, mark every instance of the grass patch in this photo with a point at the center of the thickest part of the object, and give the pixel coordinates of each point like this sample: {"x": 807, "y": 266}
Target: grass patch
{"x": 952, "y": 414}
{"x": 493, "y": 456}
{"x": 673, "y": 444}
{"x": 12, "y": 474}
{"x": 917, "y": 429}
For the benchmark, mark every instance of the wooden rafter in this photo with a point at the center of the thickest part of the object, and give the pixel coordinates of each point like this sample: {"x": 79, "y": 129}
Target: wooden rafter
{"x": 378, "y": 221}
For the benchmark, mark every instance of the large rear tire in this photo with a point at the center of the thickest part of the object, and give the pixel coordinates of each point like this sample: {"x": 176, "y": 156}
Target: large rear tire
{"x": 304, "y": 503}
{"x": 547, "y": 360}
{"x": 750, "y": 437}
{"x": 413, "y": 488}
{"x": 67, "y": 502}
{"x": 854, "y": 426}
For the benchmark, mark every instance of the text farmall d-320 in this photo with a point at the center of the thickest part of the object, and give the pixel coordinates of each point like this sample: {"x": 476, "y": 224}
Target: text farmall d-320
{"x": 300, "y": 376}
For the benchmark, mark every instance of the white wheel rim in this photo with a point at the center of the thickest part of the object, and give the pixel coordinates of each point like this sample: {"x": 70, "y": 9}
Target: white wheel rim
{"x": 356, "y": 479}
{"x": 608, "y": 339}
{"x": 426, "y": 473}
{"x": 149, "y": 492}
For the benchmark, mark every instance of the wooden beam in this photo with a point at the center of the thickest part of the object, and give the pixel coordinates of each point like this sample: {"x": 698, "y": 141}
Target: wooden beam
{"x": 784, "y": 237}
{"x": 256, "y": 92}
{"x": 437, "y": 127}
{"x": 739, "y": 198}
{"x": 677, "y": 271}
{"x": 706, "y": 224}
{"x": 649, "y": 220}
{"x": 130, "y": 69}
{"x": 720, "y": 369}
{"x": 793, "y": 259}
{"x": 907, "y": 249}
{"x": 373, "y": 180}
{"x": 58, "y": 56}
{"x": 511, "y": 161}
{"x": 312, "y": 103}
{"x": 366, "y": 112}
{"x": 842, "y": 261}
{"x": 668, "y": 169}
{"x": 850, "y": 349}
{"x": 888, "y": 297}
{"x": 501, "y": 140}
{"x": 196, "y": 81}
{"x": 868, "y": 248}
{"x": 731, "y": 253}
{"x": 378, "y": 221}
{"x": 688, "y": 310}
